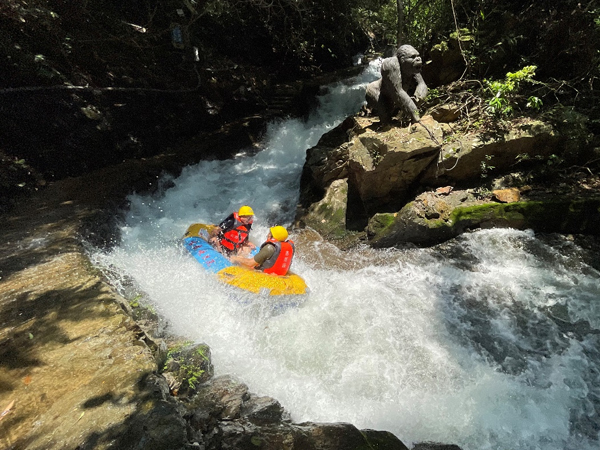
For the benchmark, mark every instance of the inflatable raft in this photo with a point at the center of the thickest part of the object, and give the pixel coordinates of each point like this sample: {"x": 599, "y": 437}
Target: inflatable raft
{"x": 195, "y": 241}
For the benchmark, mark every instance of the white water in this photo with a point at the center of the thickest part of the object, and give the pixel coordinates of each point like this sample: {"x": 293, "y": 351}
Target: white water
{"x": 467, "y": 343}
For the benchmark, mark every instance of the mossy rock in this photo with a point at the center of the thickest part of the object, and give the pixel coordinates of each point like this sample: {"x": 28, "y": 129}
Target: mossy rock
{"x": 581, "y": 216}
{"x": 561, "y": 215}
{"x": 191, "y": 365}
{"x": 328, "y": 217}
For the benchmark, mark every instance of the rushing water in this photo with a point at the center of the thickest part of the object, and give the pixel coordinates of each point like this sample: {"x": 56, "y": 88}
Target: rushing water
{"x": 490, "y": 341}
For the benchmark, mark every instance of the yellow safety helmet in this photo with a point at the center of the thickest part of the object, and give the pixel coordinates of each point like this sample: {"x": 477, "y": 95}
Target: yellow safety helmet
{"x": 245, "y": 211}
{"x": 279, "y": 233}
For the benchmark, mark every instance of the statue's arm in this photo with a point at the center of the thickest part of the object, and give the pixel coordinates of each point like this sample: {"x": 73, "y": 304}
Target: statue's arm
{"x": 421, "y": 89}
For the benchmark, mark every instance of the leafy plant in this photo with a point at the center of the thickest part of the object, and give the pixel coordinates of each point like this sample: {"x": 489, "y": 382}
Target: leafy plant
{"x": 485, "y": 167}
{"x": 505, "y": 94}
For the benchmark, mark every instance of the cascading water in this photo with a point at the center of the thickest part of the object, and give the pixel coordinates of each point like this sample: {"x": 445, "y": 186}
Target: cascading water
{"x": 488, "y": 341}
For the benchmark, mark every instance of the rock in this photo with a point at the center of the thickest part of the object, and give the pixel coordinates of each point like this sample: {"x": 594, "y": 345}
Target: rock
{"x": 435, "y": 446}
{"x": 478, "y": 154}
{"x": 446, "y": 113}
{"x": 507, "y": 195}
{"x": 328, "y": 215}
{"x": 382, "y": 440}
{"x": 380, "y": 165}
{"x": 363, "y": 177}
{"x": 444, "y": 190}
{"x": 187, "y": 367}
{"x": 428, "y": 220}
{"x": 262, "y": 410}
{"x": 327, "y": 161}
{"x": 384, "y": 165}
{"x": 222, "y": 397}
{"x": 308, "y": 436}
{"x": 345, "y": 436}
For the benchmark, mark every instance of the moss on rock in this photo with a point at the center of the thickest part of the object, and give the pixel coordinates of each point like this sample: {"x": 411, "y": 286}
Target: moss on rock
{"x": 577, "y": 216}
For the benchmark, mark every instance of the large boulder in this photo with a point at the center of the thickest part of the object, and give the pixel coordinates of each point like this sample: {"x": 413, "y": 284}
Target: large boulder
{"x": 468, "y": 158}
{"x": 380, "y": 166}
{"x": 225, "y": 414}
{"x": 327, "y": 161}
{"x": 383, "y": 166}
{"x": 431, "y": 218}
{"x": 328, "y": 215}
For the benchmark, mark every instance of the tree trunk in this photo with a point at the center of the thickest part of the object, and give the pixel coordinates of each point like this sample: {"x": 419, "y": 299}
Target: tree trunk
{"x": 400, "y": 9}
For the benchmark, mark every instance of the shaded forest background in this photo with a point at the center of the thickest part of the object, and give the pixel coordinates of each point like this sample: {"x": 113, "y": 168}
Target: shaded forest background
{"x": 91, "y": 83}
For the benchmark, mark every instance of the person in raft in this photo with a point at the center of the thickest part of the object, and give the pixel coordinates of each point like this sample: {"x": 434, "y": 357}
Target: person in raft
{"x": 275, "y": 255}
{"x": 230, "y": 237}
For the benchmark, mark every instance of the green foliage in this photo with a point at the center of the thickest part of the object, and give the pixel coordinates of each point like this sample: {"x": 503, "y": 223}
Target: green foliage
{"x": 506, "y": 94}
{"x": 192, "y": 374}
{"x": 379, "y": 20}
{"x": 486, "y": 167}
{"x": 135, "y": 301}
{"x": 303, "y": 32}
{"x": 432, "y": 95}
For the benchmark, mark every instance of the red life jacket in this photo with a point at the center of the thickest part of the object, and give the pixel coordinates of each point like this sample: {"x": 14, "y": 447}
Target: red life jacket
{"x": 235, "y": 237}
{"x": 280, "y": 262}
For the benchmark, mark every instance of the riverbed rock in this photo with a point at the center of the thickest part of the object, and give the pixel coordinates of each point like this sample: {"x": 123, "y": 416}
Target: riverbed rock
{"x": 378, "y": 167}
{"x": 187, "y": 366}
{"x": 224, "y": 414}
{"x": 306, "y": 436}
{"x": 328, "y": 160}
{"x": 427, "y": 220}
{"x": 435, "y": 446}
{"x": 328, "y": 215}
{"x": 431, "y": 219}
{"x": 509, "y": 195}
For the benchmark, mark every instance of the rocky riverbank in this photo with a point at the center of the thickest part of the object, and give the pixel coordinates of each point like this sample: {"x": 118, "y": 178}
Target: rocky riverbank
{"x": 426, "y": 183}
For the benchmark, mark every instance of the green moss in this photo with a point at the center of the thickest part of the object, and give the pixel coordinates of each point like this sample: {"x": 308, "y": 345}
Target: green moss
{"x": 330, "y": 214}
{"x": 339, "y": 216}
{"x": 324, "y": 209}
{"x": 572, "y": 216}
{"x": 479, "y": 213}
{"x": 381, "y": 222}
{"x": 192, "y": 374}
{"x": 437, "y": 223}
{"x": 202, "y": 352}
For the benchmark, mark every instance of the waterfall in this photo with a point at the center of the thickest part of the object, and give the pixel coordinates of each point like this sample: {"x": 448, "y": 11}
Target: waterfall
{"x": 488, "y": 341}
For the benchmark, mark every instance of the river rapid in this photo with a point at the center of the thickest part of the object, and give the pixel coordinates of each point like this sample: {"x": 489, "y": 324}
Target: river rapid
{"x": 489, "y": 341}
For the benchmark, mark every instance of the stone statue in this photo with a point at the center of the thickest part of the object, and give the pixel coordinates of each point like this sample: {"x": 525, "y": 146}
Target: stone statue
{"x": 400, "y": 77}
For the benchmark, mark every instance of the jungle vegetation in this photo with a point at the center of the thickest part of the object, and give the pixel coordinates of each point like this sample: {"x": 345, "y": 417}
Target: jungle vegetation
{"x": 90, "y": 83}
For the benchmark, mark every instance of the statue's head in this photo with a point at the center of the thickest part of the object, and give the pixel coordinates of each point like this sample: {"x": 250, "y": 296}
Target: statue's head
{"x": 410, "y": 60}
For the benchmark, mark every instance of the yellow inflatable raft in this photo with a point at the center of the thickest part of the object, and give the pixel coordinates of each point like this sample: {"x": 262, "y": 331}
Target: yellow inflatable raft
{"x": 195, "y": 241}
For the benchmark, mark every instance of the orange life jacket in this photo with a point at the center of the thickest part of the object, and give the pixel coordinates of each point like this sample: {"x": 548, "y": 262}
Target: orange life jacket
{"x": 235, "y": 237}
{"x": 280, "y": 262}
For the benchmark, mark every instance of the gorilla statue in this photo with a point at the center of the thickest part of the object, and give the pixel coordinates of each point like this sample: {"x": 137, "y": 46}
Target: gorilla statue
{"x": 400, "y": 76}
